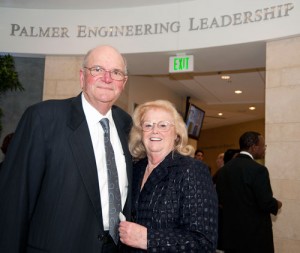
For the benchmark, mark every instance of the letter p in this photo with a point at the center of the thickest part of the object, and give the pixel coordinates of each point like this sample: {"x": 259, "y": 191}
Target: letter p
{"x": 14, "y": 28}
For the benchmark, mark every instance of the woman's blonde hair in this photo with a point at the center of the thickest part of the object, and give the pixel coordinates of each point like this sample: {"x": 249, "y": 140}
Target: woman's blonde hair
{"x": 136, "y": 146}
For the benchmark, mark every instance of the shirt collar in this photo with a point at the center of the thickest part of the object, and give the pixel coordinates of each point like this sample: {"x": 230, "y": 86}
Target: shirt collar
{"x": 91, "y": 114}
{"x": 246, "y": 153}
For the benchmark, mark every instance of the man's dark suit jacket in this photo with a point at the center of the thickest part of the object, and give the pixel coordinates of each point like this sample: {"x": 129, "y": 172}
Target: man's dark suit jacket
{"x": 178, "y": 205}
{"x": 246, "y": 199}
{"x": 49, "y": 191}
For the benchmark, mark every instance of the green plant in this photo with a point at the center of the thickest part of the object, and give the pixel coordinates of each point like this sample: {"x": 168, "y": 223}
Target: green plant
{"x": 9, "y": 80}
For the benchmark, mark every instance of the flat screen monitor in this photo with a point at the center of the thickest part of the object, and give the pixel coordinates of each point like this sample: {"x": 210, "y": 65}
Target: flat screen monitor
{"x": 194, "y": 121}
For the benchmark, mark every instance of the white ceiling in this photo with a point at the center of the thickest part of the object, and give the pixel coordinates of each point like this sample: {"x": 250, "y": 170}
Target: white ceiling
{"x": 88, "y": 4}
{"x": 245, "y": 64}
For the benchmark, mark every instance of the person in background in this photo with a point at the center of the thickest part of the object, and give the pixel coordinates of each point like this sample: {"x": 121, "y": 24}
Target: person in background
{"x": 53, "y": 184}
{"x": 227, "y": 156}
{"x": 174, "y": 202}
{"x": 6, "y": 141}
{"x": 230, "y": 154}
{"x": 199, "y": 154}
{"x": 246, "y": 199}
{"x": 220, "y": 160}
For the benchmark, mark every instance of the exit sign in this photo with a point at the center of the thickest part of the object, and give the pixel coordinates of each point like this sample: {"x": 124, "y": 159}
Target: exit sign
{"x": 182, "y": 63}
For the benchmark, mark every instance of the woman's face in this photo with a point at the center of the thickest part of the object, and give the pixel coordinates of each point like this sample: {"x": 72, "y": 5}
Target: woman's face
{"x": 159, "y": 139}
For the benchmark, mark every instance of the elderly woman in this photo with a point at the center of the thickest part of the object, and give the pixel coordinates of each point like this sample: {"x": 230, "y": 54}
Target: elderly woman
{"x": 174, "y": 201}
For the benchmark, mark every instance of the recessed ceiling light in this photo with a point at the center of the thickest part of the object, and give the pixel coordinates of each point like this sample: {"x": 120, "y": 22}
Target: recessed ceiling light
{"x": 220, "y": 114}
{"x": 252, "y": 108}
{"x": 225, "y": 77}
{"x": 238, "y": 92}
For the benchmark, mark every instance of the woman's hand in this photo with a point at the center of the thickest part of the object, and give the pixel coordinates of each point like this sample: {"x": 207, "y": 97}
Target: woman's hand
{"x": 133, "y": 235}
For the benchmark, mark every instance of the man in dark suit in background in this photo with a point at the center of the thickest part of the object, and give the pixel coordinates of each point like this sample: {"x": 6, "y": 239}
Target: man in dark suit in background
{"x": 246, "y": 198}
{"x": 53, "y": 183}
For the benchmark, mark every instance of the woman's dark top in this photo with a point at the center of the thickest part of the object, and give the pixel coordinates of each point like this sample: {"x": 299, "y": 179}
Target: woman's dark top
{"x": 178, "y": 205}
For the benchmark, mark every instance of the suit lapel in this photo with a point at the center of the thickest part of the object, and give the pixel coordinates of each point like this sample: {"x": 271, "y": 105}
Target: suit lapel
{"x": 155, "y": 177}
{"x": 159, "y": 173}
{"x": 82, "y": 148}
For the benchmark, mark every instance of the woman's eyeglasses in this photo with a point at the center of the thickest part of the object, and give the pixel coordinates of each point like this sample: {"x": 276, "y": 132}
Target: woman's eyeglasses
{"x": 161, "y": 125}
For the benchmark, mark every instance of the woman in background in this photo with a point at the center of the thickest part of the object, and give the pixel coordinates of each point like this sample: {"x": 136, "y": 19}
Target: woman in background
{"x": 174, "y": 201}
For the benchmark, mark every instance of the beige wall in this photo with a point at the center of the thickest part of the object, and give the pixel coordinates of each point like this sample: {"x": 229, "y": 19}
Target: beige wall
{"x": 218, "y": 140}
{"x": 61, "y": 78}
{"x": 142, "y": 89}
{"x": 283, "y": 138}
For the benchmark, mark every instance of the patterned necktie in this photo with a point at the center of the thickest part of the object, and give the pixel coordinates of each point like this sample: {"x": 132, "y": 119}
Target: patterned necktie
{"x": 114, "y": 195}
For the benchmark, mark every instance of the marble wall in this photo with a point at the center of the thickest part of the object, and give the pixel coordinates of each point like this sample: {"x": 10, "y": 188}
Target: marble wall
{"x": 283, "y": 138}
{"x": 61, "y": 77}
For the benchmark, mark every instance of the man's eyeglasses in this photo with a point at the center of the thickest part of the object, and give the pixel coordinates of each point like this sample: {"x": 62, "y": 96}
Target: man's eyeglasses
{"x": 98, "y": 71}
{"x": 161, "y": 125}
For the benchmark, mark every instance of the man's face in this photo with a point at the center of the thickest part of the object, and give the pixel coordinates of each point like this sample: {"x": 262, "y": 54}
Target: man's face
{"x": 259, "y": 149}
{"x": 103, "y": 89}
{"x": 220, "y": 160}
{"x": 199, "y": 156}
